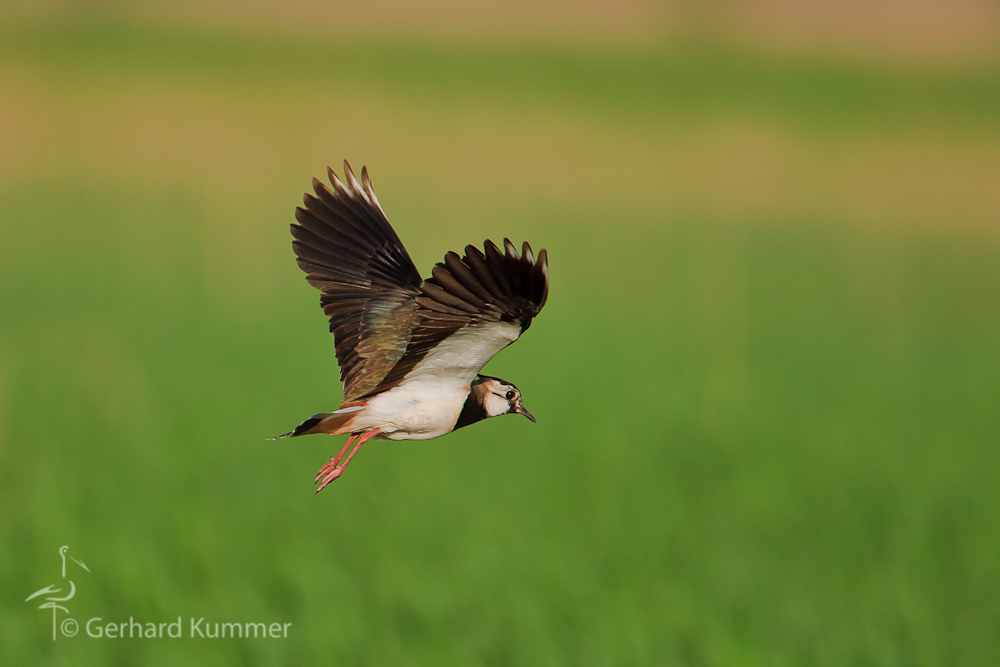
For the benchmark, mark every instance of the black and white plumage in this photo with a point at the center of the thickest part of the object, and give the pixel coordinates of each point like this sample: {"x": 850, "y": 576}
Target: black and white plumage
{"x": 409, "y": 350}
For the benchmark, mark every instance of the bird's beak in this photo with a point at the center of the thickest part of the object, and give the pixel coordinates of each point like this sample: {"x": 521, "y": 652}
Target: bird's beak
{"x": 521, "y": 410}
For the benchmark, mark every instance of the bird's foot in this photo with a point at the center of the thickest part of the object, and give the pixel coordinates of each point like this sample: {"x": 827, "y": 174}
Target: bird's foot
{"x": 329, "y": 472}
{"x": 334, "y": 468}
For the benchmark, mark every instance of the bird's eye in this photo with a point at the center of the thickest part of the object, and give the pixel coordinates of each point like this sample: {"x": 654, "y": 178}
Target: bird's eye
{"x": 510, "y": 395}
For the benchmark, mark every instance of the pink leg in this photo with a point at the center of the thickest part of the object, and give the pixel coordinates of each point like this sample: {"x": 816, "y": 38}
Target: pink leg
{"x": 332, "y": 463}
{"x": 337, "y": 470}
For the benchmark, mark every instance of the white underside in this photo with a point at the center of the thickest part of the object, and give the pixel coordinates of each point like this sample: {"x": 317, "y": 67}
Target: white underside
{"x": 428, "y": 401}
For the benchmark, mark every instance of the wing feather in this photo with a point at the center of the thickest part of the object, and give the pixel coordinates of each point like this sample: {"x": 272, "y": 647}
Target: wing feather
{"x": 484, "y": 300}
{"x": 388, "y": 324}
{"x": 344, "y": 243}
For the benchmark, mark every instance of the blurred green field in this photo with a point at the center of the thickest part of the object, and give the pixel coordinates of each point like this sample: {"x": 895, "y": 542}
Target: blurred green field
{"x": 766, "y": 381}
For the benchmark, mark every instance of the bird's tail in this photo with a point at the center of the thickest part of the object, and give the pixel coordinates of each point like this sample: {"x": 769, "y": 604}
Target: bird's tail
{"x": 321, "y": 422}
{"x": 305, "y": 427}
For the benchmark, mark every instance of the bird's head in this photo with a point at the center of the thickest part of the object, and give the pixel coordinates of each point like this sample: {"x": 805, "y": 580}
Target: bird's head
{"x": 501, "y": 397}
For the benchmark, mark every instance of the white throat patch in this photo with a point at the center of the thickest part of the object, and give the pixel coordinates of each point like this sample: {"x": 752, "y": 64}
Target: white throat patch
{"x": 495, "y": 405}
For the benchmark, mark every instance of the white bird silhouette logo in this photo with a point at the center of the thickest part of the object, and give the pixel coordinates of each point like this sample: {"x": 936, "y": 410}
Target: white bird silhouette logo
{"x": 53, "y": 602}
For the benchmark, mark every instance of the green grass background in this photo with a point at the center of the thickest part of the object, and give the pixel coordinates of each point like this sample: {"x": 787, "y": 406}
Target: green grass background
{"x": 764, "y": 438}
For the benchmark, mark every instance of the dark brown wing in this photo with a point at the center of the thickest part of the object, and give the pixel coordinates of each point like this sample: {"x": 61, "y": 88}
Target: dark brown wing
{"x": 470, "y": 309}
{"x": 349, "y": 252}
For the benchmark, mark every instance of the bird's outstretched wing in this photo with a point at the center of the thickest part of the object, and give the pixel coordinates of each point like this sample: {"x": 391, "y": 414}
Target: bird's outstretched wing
{"x": 350, "y": 252}
{"x": 471, "y": 308}
{"x": 387, "y": 324}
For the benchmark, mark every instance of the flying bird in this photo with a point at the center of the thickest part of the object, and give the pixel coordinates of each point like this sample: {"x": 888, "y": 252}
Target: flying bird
{"x": 409, "y": 350}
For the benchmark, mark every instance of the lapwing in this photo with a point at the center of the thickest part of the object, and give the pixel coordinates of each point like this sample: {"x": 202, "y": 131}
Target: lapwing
{"x": 409, "y": 350}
